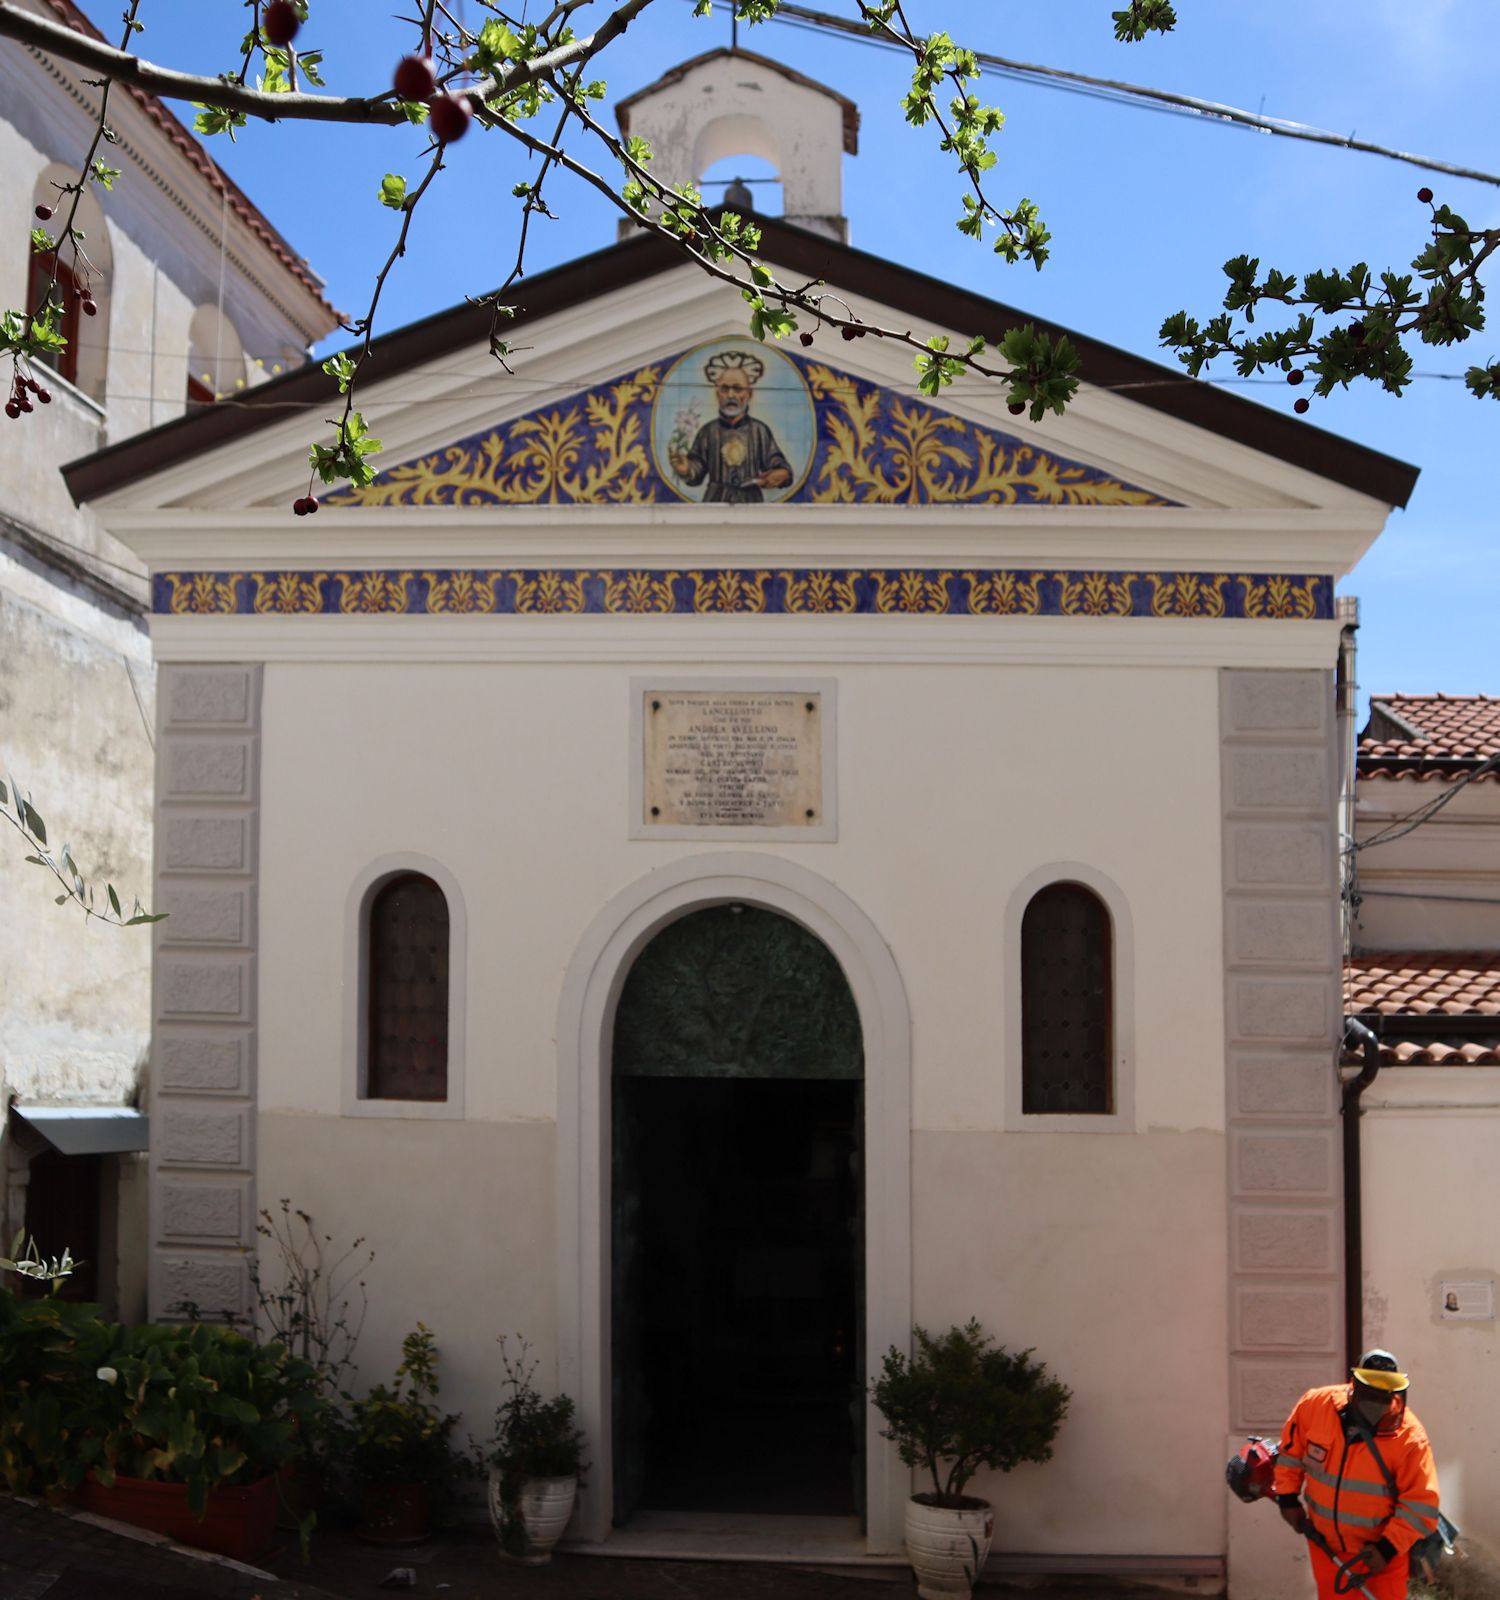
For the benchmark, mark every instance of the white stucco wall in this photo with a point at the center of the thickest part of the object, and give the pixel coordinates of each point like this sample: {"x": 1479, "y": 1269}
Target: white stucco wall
{"x": 1415, "y": 886}
{"x": 1431, "y": 1200}
{"x": 955, "y": 785}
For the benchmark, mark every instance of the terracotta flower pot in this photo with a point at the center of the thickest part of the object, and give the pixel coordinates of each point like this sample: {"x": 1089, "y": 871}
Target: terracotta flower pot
{"x": 238, "y": 1521}
{"x": 394, "y": 1513}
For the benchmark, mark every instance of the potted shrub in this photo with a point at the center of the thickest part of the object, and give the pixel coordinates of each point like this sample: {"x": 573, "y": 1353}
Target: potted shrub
{"x": 192, "y": 1429}
{"x": 534, "y": 1460}
{"x": 400, "y": 1455}
{"x": 957, "y": 1404}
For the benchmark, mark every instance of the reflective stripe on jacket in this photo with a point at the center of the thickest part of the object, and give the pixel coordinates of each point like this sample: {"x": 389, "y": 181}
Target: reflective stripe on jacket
{"x": 1340, "y": 1481}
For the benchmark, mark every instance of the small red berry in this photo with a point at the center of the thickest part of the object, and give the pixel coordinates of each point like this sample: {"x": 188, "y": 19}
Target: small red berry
{"x": 45, "y": 396}
{"x": 1300, "y": 405}
{"x": 449, "y": 115}
{"x": 299, "y": 506}
{"x": 414, "y": 79}
{"x": 45, "y": 213}
{"x": 1357, "y": 332}
{"x": 90, "y": 309}
{"x": 311, "y": 503}
{"x": 805, "y": 338}
{"x": 1424, "y": 194}
{"x": 848, "y": 333}
{"x": 1295, "y": 376}
{"x": 279, "y": 22}
{"x": 12, "y": 410}
{"x": 25, "y": 405}
{"x": 1016, "y": 407}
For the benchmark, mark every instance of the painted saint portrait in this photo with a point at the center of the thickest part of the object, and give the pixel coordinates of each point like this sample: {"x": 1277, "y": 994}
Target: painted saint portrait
{"x": 733, "y": 423}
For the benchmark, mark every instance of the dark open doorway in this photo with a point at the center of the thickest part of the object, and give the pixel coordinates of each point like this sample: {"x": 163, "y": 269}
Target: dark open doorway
{"x": 738, "y": 1223}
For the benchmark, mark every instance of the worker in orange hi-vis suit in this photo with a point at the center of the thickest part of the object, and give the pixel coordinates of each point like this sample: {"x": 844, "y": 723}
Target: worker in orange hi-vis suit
{"x": 1332, "y": 1488}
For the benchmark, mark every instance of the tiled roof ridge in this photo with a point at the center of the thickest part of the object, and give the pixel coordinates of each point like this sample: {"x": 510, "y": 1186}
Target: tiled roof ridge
{"x": 1429, "y": 1008}
{"x": 178, "y": 134}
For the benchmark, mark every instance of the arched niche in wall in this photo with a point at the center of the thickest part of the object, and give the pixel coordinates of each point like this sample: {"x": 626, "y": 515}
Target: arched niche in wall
{"x": 216, "y": 357}
{"x": 84, "y": 270}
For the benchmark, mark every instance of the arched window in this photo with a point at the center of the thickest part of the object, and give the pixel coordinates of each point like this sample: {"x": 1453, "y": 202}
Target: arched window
{"x": 406, "y": 955}
{"x": 78, "y": 273}
{"x": 1067, "y": 1004}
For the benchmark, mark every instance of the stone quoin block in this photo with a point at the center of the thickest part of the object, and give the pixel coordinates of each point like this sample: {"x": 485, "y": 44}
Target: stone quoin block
{"x": 1293, "y": 1319}
{"x": 204, "y": 916}
{"x": 1265, "y": 1392}
{"x": 216, "y": 1286}
{"x": 203, "y": 1063}
{"x": 1277, "y": 702}
{"x": 1284, "y": 1241}
{"x": 1283, "y": 1086}
{"x": 1290, "y": 856}
{"x": 1291, "y": 934}
{"x": 205, "y": 844}
{"x": 213, "y": 696}
{"x": 1280, "y": 780}
{"x": 204, "y": 1136}
{"x": 1283, "y": 1163}
{"x": 201, "y": 988}
{"x": 203, "y": 1211}
{"x": 1292, "y": 1009}
{"x": 214, "y": 768}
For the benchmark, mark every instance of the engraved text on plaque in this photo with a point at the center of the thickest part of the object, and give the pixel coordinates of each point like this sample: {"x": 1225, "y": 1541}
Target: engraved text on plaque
{"x": 733, "y": 758}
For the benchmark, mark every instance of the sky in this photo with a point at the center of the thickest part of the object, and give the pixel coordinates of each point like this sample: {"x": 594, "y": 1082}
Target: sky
{"x": 1144, "y": 208}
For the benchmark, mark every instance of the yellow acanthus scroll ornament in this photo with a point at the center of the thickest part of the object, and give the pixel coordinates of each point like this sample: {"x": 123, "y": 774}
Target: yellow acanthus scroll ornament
{"x": 629, "y": 441}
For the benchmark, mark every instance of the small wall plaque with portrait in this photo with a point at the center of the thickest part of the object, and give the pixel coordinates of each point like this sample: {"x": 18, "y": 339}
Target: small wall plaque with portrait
{"x": 1466, "y": 1300}
{"x": 732, "y": 758}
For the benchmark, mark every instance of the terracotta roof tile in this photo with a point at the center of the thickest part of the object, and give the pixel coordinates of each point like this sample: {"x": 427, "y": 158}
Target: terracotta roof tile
{"x": 240, "y": 203}
{"x": 1430, "y": 1008}
{"x": 1424, "y": 736}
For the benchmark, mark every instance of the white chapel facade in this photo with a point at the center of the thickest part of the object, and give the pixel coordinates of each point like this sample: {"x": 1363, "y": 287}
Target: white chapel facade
{"x": 715, "y": 857}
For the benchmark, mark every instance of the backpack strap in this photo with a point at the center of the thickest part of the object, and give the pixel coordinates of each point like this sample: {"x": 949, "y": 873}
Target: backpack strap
{"x": 1367, "y": 1434}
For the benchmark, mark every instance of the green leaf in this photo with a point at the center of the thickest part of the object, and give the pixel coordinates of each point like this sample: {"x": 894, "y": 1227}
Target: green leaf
{"x": 213, "y": 120}
{"x": 34, "y": 824}
{"x": 393, "y": 191}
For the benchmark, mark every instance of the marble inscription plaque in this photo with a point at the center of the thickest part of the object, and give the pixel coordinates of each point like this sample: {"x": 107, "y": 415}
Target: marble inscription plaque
{"x": 719, "y": 758}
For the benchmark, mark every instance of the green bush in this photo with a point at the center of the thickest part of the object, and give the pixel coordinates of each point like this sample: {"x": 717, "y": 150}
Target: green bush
{"x": 959, "y": 1401}
{"x": 398, "y": 1434}
{"x": 191, "y": 1403}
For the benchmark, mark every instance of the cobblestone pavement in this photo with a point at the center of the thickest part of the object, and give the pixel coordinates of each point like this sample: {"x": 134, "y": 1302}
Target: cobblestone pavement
{"x": 56, "y": 1555}
{"x": 468, "y": 1564}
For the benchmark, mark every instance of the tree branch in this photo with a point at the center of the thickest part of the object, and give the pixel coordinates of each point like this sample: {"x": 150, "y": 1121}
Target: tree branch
{"x": 54, "y": 40}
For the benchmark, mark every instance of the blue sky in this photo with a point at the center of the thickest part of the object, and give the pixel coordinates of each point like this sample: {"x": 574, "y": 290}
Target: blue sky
{"x": 1144, "y": 208}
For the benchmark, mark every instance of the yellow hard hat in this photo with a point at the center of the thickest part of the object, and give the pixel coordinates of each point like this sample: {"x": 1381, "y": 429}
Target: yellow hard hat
{"x": 1377, "y": 1369}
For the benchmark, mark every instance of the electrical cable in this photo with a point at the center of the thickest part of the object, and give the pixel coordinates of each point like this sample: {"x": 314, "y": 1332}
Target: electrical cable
{"x": 1139, "y": 96}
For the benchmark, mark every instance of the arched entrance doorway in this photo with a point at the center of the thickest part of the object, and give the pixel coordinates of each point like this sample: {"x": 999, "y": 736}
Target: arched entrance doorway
{"x": 590, "y": 996}
{"x": 737, "y": 1222}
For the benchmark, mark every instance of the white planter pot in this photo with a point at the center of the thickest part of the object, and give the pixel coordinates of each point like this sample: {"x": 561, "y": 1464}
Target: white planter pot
{"x": 546, "y": 1505}
{"x": 947, "y": 1549}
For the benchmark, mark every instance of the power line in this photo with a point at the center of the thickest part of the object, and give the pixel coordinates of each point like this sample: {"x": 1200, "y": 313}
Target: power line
{"x": 1138, "y": 96}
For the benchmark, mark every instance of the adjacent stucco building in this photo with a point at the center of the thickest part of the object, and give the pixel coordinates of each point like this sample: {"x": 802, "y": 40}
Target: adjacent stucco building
{"x": 196, "y": 296}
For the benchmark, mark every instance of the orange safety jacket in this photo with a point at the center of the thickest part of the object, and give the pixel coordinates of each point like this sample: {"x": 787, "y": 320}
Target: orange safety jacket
{"x": 1344, "y": 1492}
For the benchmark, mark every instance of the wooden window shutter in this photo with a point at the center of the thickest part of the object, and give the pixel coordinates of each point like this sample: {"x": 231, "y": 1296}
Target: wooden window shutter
{"x": 43, "y": 265}
{"x": 407, "y": 1025}
{"x": 1067, "y": 1003}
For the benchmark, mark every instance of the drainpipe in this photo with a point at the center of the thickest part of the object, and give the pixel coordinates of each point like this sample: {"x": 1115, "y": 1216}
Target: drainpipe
{"x": 1354, "y": 1266}
{"x": 1346, "y": 694}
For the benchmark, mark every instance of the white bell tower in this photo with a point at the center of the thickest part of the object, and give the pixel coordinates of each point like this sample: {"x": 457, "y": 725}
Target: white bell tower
{"x": 731, "y": 103}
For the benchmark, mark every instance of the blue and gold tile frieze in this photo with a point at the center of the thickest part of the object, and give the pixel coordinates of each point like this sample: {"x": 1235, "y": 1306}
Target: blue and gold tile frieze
{"x": 731, "y": 421}
{"x": 745, "y": 591}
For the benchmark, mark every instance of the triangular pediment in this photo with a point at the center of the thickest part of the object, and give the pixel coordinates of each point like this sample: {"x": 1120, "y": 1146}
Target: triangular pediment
{"x": 811, "y": 433}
